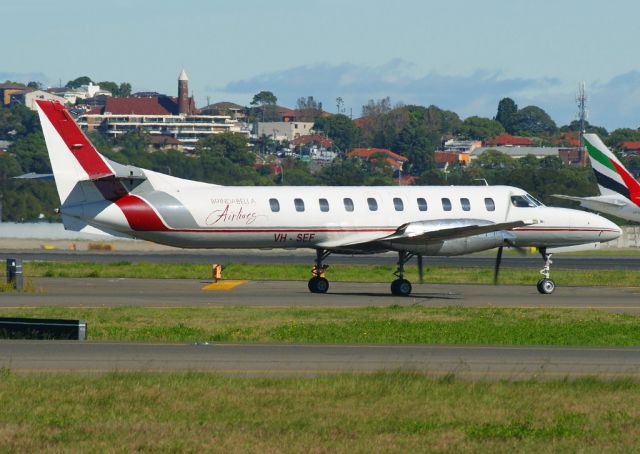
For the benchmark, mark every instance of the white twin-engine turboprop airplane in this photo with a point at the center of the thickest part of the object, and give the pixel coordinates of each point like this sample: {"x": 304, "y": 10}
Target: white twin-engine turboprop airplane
{"x": 97, "y": 193}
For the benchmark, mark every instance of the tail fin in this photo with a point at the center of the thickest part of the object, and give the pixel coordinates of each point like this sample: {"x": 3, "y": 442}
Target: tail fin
{"x": 73, "y": 157}
{"x": 612, "y": 176}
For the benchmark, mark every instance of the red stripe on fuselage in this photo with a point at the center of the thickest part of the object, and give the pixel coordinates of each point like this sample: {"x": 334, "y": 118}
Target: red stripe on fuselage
{"x": 78, "y": 144}
{"x": 140, "y": 215}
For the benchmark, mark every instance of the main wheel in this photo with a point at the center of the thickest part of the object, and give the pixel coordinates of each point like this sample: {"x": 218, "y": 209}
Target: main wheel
{"x": 401, "y": 287}
{"x": 318, "y": 285}
{"x": 546, "y": 286}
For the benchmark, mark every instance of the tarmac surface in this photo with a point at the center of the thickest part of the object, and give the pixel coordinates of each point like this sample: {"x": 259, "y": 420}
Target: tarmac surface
{"x": 305, "y": 256}
{"x": 469, "y": 362}
{"x": 465, "y": 361}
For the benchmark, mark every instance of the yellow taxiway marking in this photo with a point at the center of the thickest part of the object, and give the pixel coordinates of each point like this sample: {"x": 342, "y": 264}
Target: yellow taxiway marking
{"x": 223, "y": 285}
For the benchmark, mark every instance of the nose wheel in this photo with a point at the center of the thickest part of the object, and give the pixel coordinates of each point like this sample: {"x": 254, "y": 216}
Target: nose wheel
{"x": 545, "y": 285}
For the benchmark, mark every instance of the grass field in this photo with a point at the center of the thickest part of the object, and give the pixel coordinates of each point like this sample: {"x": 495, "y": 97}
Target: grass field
{"x": 394, "y": 324}
{"x": 393, "y": 412}
{"x": 353, "y": 273}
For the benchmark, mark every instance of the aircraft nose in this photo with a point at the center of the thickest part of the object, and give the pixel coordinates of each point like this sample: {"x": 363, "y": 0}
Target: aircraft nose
{"x": 608, "y": 230}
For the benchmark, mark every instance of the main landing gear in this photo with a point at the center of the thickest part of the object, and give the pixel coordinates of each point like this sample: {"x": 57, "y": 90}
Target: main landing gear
{"x": 546, "y": 285}
{"x": 401, "y": 286}
{"x": 318, "y": 283}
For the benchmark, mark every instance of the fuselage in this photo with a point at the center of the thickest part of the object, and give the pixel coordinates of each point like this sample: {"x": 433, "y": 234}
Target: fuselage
{"x": 196, "y": 215}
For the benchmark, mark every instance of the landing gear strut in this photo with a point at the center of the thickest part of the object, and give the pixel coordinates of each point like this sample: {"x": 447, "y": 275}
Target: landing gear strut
{"x": 546, "y": 285}
{"x": 318, "y": 283}
{"x": 401, "y": 286}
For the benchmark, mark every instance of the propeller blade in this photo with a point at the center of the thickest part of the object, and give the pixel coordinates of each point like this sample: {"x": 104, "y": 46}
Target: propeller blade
{"x": 420, "y": 269}
{"x": 496, "y": 270}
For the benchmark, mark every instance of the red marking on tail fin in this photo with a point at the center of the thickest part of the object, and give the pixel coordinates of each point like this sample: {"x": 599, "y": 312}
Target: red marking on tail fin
{"x": 140, "y": 215}
{"x": 78, "y": 144}
{"x": 630, "y": 183}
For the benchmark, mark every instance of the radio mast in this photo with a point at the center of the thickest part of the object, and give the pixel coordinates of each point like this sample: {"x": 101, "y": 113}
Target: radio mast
{"x": 581, "y": 100}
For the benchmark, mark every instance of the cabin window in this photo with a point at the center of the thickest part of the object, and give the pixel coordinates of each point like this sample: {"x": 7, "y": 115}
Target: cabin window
{"x": 422, "y": 204}
{"x": 373, "y": 204}
{"x": 324, "y": 205}
{"x": 275, "y": 205}
{"x": 521, "y": 201}
{"x": 464, "y": 203}
{"x": 299, "y": 204}
{"x": 446, "y": 204}
{"x": 398, "y": 204}
{"x": 489, "y": 204}
{"x": 348, "y": 204}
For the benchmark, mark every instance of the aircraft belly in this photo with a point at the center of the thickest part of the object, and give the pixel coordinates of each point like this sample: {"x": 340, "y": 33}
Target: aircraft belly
{"x": 555, "y": 237}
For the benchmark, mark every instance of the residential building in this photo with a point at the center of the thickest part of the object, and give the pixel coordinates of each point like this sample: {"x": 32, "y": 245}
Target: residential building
{"x": 507, "y": 140}
{"x": 630, "y": 148}
{"x": 451, "y": 157}
{"x": 28, "y": 98}
{"x": 284, "y": 130}
{"x": 7, "y": 89}
{"x": 159, "y": 115}
{"x": 72, "y": 95}
{"x": 461, "y": 146}
{"x": 519, "y": 152}
{"x": 233, "y": 110}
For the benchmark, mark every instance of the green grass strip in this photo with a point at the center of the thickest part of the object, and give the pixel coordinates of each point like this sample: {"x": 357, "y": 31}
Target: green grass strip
{"x": 385, "y": 412}
{"x": 394, "y": 324}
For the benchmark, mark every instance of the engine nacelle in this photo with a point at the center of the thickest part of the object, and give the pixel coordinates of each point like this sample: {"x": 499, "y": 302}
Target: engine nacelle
{"x": 456, "y": 246}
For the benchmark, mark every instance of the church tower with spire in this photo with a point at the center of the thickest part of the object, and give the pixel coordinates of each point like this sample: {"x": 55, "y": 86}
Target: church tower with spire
{"x": 183, "y": 93}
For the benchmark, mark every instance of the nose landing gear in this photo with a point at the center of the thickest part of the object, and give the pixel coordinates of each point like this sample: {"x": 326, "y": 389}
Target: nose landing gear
{"x": 545, "y": 285}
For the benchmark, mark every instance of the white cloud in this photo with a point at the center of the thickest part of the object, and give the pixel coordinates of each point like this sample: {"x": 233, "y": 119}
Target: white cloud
{"x": 613, "y": 104}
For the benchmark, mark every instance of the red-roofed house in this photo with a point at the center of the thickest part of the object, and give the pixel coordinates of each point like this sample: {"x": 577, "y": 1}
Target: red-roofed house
{"x": 313, "y": 139}
{"x": 394, "y": 159}
{"x": 508, "y": 140}
{"x": 629, "y": 148}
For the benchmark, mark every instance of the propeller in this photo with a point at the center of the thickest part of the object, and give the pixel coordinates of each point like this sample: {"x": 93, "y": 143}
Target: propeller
{"x": 420, "y": 269}
{"x": 496, "y": 269}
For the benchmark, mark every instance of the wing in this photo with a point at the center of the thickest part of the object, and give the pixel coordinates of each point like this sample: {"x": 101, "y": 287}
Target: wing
{"x": 422, "y": 232}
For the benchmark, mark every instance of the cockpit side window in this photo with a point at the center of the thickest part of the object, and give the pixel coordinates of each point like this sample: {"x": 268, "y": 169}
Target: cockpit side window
{"x": 521, "y": 201}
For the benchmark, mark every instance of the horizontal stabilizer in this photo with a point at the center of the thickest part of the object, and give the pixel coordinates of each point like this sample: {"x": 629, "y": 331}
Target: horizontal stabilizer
{"x": 604, "y": 200}
{"x": 35, "y": 176}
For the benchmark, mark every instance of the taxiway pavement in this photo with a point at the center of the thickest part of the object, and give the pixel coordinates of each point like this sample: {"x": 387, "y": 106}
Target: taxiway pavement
{"x": 464, "y": 361}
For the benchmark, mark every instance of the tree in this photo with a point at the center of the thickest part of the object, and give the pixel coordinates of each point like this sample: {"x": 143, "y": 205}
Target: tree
{"x": 621, "y": 135}
{"x": 264, "y": 104}
{"x": 78, "y": 82}
{"x": 109, "y": 86}
{"x": 339, "y": 128}
{"x": 264, "y": 98}
{"x": 507, "y": 109}
{"x": 574, "y": 126}
{"x": 309, "y": 109}
{"x": 494, "y": 159}
{"x": 531, "y": 121}
{"x": 344, "y": 172}
{"x": 375, "y": 108}
{"x": 124, "y": 90}
{"x": 35, "y": 85}
{"x": 479, "y": 128}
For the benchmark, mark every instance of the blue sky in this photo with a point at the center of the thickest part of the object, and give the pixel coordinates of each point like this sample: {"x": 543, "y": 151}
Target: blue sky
{"x": 459, "y": 55}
